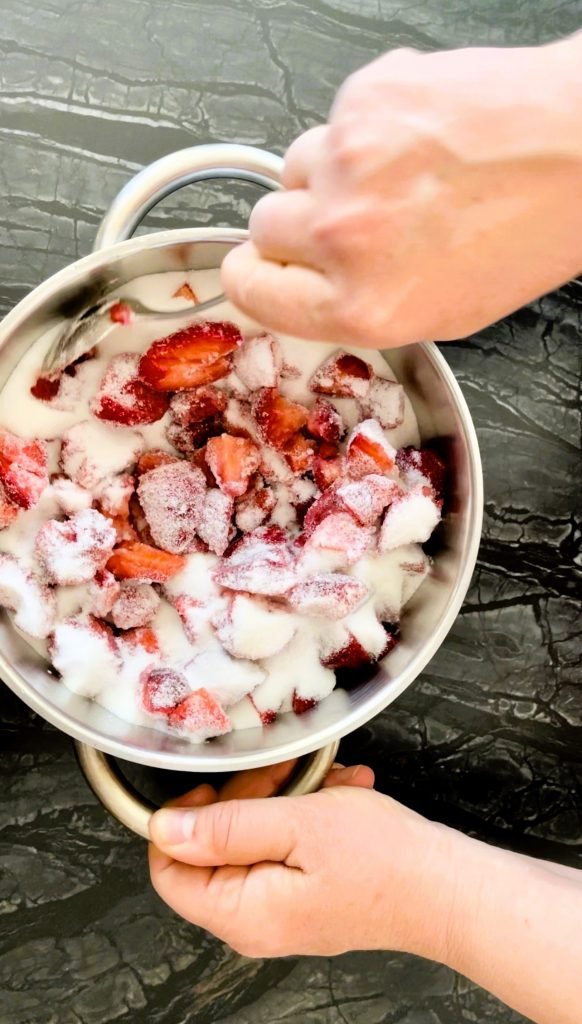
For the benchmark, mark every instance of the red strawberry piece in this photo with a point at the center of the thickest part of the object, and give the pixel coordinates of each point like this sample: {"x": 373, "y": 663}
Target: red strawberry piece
{"x": 299, "y": 453}
{"x": 302, "y": 704}
{"x": 189, "y": 439}
{"x": 112, "y": 495}
{"x": 325, "y": 422}
{"x": 276, "y": 417}
{"x": 188, "y": 407}
{"x": 410, "y": 520}
{"x": 233, "y": 460}
{"x": 142, "y": 562}
{"x": 392, "y": 638}
{"x": 124, "y": 530}
{"x": 327, "y": 471}
{"x": 138, "y": 522}
{"x": 153, "y": 459}
{"x": 135, "y": 606}
{"x": 384, "y": 402}
{"x": 123, "y": 398}
{"x": 162, "y": 689}
{"x": 198, "y": 459}
{"x": 185, "y": 359}
{"x": 200, "y": 714}
{"x": 327, "y": 504}
{"x": 144, "y": 638}
{"x": 103, "y": 591}
{"x": 8, "y": 511}
{"x": 267, "y": 717}
{"x": 46, "y": 388}
{"x": 261, "y": 563}
{"x": 34, "y": 603}
{"x": 329, "y": 596}
{"x": 257, "y": 362}
{"x": 341, "y": 533}
{"x": 254, "y": 509}
{"x": 367, "y": 498}
{"x": 237, "y": 418}
{"x": 186, "y": 292}
{"x": 84, "y": 650}
{"x": 215, "y": 525}
{"x": 352, "y": 655}
{"x": 121, "y": 313}
{"x": 343, "y": 375}
{"x": 72, "y": 551}
{"x": 369, "y": 451}
{"x": 69, "y": 496}
{"x": 420, "y": 464}
{"x": 82, "y": 452}
{"x": 23, "y": 468}
{"x": 188, "y": 608}
{"x": 172, "y": 498}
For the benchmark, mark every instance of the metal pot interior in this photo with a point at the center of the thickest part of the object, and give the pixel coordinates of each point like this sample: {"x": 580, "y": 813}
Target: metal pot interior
{"x": 441, "y": 413}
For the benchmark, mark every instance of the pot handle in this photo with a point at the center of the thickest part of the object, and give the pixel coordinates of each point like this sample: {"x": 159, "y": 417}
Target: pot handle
{"x": 184, "y": 167}
{"x": 134, "y": 811}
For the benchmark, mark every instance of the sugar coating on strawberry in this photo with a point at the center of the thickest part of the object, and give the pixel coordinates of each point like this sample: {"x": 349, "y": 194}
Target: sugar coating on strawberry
{"x": 299, "y": 452}
{"x": 72, "y": 551}
{"x": 227, "y": 678}
{"x": 340, "y": 533}
{"x": 410, "y": 520}
{"x": 302, "y": 704}
{"x": 325, "y": 421}
{"x": 258, "y": 362}
{"x": 23, "y": 468}
{"x": 277, "y": 418}
{"x": 262, "y": 563}
{"x": 112, "y": 495}
{"x": 143, "y": 638}
{"x": 367, "y": 498}
{"x": 193, "y": 406}
{"x": 343, "y": 375}
{"x": 189, "y": 609}
{"x": 153, "y": 459}
{"x": 199, "y": 715}
{"x": 215, "y": 523}
{"x": 238, "y": 420}
{"x": 185, "y": 359}
{"x": 422, "y": 465}
{"x": 92, "y": 451}
{"x": 189, "y": 439}
{"x": 162, "y": 689}
{"x": 8, "y": 510}
{"x": 250, "y": 627}
{"x": 415, "y": 566}
{"x": 125, "y": 399}
{"x": 145, "y": 563}
{"x": 102, "y": 593}
{"x": 233, "y": 460}
{"x": 135, "y": 606}
{"x": 349, "y": 654}
{"x": 32, "y": 602}
{"x": 384, "y": 402}
{"x": 369, "y": 451}
{"x": 327, "y": 504}
{"x": 254, "y": 508}
{"x": 327, "y": 471}
{"x": 172, "y": 498}
{"x": 329, "y": 595}
{"x": 296, "y": 668}
{"x": 274, "y": 468}
{"x": 69, "y": 496}
{"x": 85, "y": 653}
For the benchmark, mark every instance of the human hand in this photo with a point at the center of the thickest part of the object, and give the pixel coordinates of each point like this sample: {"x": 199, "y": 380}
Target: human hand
{"x": 341, "y": 869}
{"x": 443, "y": 194}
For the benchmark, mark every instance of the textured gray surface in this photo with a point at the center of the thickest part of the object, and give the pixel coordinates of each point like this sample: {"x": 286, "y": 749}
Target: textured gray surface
{"x": 490, "y": 738}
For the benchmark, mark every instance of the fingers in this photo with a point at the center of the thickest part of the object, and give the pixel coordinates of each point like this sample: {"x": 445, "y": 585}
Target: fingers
{"x": 199, "y": 797}
{"x": 279, "y": 226}
{"x": 303, "y": 156}
{"x": 292, "y": 299}
{"x": 258, "y": 782}
{"x": 359, "y": 776}
{"x": 235, "y": 832}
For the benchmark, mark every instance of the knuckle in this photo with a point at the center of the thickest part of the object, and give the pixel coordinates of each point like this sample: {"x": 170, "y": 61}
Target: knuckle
{"x": 347, "y": 144}
{"x": 222, "y": 823}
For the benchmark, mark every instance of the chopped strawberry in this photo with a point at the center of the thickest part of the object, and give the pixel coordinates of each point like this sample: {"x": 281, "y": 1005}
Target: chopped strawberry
{"x": 233, "y": 460}
{"x": 136, "y": 605}
{"x": 367, "y": 498}
{"x": 352, "y": 655}
{"x": 153, "y": 459}
{"x": 330, "y": 595}
{"x": 369, "y": 451}
{"x": 46, "y": 388}
{"x": 138, "y": 522}
{"x": 276, "y": 417}
{"x": 123, "y": 398}
{"x": 91, "y": 451}
{"x": 188, "y": 609}
{"x": 121, "y": 313}
{"x": 84, "y": 650}
{"x": 238, "y": 420}
{"x": 325, "y": 422}
{"x": 34, "y": 603}
{"x": 8, "y": 511}
{"x": 328, "y": 450}
{"x": 341, "y": 533}
{"x": 261, "y": 563}
{"x": 384, "y": 402}
{"x": 185, "y": 359}
{"x": 103, "y": 591}
{"x": 172, "y": 498}
{"x": 410, "y": 520}
{"x": 186, "y": 292}
{"x": 162, "y": 689}
{"x": 142, "y": 562}
{"x": 303, "y": 704}
{"x": 199, "y": 404}
{"x": 327, "y": 471}
{"x": 112, "y": 495}
{"x": 215, "y": 525}
{"x": 69, "y": 496}
{"x": 72, "y": 551}
{"x": 23, "y": 468}
{"x": 257, "y": 362}
{"x": 327, "y": 504}
{"x": 253, "y": 628}
{"x": 344, "y": 375}
{"x": 299, "y": 453}
{"x": 198, "y": 459}
{"x": 201, "y": 714}
{"x": 188, "y": 439}
{"x": 423, "y": 463}
{"x": 125, "y": 530}
{"x": 143, "y": 637}
{"x": 267, "y": 717}
{"x": 254, "y": 508}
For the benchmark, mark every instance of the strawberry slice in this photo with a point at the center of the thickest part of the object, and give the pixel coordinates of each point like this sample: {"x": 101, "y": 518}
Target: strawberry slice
{"x": 340, "y": 533}
{"x": 276, "y": 417}
{"x": 233, "y": 460}
{"x": 186, "y": 292}
{"x": 185, "y": 359}
{"x": 193, "y": 406}
{"x": 162, "y": 689}
{"x": 201, "y": 714}
{"x": 344, "y": 375}
{"x": 369, "y": 451}
{"x": 23, "y": 468}
{"x": 302, "y": 704}
{"x": 329, "y": 596}
{"x": 154, "y": 459}
{"x": 325, "y": 422}
{"x": 299, "y": 453}
{"x": 123, "y": 398}
{"x": 142, "y": 562}
{"x": 415, "y": 463}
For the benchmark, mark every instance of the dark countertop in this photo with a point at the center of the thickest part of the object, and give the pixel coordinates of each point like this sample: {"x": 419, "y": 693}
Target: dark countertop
{"x": 489, "y": 739}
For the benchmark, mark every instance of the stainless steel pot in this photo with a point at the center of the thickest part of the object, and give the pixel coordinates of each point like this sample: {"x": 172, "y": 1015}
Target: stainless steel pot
{"x": 442, "y": 413}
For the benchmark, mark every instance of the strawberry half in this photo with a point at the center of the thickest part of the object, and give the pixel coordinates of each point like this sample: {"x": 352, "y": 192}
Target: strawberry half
{"x": 186, "y": 358}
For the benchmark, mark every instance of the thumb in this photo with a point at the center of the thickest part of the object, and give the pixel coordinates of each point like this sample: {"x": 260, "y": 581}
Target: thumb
{"x": 233, "y": 832}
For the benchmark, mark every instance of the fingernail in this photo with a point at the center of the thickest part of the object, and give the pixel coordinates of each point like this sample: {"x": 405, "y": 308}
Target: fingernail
{"x": 174, "y": 826}
{"x": 354, "y": 772}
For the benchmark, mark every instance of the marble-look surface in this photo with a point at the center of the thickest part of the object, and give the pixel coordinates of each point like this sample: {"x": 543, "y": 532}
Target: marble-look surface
{"x": 490, "y": 737}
